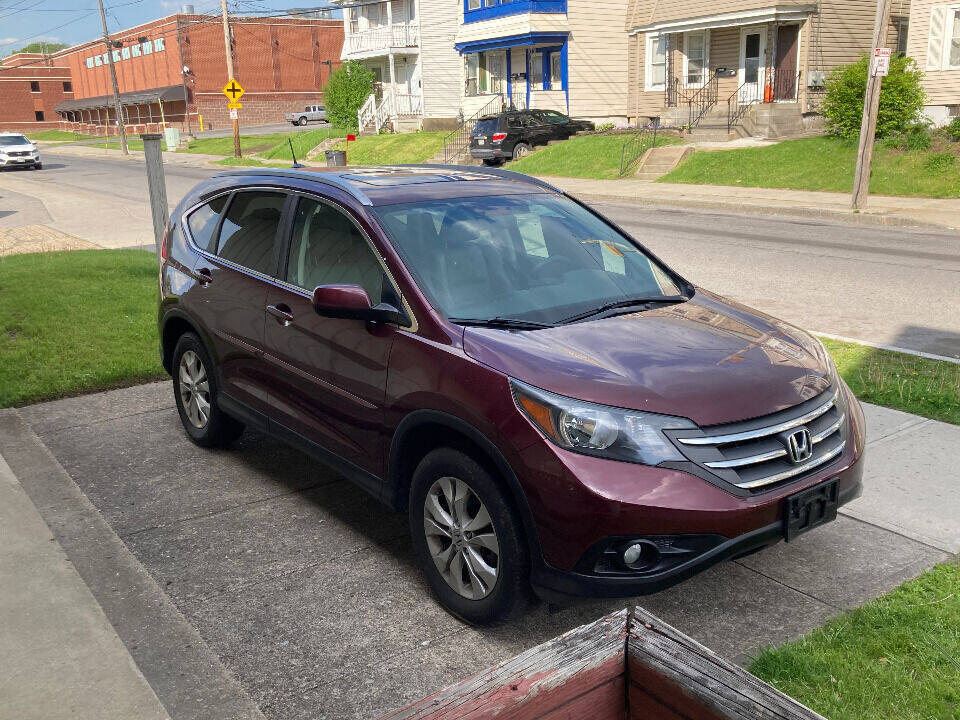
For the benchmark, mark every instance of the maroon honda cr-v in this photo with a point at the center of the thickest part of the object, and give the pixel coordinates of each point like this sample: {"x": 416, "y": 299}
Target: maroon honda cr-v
{"x": 550, "y": 404}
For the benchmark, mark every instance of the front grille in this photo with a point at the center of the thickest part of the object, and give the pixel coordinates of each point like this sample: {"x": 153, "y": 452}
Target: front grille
{"x": 19, "y": 153}
{"x": 756, "y": 454}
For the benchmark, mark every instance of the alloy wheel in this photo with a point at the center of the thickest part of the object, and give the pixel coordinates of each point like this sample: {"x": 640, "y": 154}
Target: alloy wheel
{"x": 194, "y": 389}
{"x": 461, "y": 538}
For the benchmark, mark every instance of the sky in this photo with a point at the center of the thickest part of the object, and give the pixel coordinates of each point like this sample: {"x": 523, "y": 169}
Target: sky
{"x": 76, "y": 21}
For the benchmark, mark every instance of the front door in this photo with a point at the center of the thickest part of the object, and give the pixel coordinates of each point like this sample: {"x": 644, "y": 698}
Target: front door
{"x": 330, "y": 373}
{"x": 785, "y": 68}
{"x": 752, "y": 65}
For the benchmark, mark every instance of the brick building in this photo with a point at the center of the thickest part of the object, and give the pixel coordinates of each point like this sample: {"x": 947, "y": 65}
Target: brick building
{"x": 282, "y": 63}
{"x": 31, "y": 85}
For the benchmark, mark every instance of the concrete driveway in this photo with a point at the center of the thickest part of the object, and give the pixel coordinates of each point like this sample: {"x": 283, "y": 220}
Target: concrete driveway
{"x": 256, "y": 581}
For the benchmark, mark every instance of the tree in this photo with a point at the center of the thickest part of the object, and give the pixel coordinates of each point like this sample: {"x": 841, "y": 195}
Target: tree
{"x": 42, "y": 47}
{"x": 346, "y": 92}
{"x": 901, "y": 98}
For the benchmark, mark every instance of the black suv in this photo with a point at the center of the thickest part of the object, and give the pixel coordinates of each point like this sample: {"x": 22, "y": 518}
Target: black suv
{"x": 510, "y": 135}
{"x": 566, "y": 125}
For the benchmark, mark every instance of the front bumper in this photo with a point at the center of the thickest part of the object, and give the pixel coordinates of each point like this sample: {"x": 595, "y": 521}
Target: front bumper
{"x": 580, "y": 502}
{"x": 19, "y": 161}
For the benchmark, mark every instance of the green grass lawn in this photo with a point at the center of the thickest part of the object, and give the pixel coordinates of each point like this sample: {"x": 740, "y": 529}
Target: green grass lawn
{"x": 823, "y": 163}
{"x": 303, "y": 143}
{"x": 89, "y": 325}
{"x": 59, "y": 135}
{"x": 896, "y": 657}
{"x": 393, "y": 149}
{"x": 586, "y": 156}
{"x": 930, "y": 388}
{"x": 249, "y": 162}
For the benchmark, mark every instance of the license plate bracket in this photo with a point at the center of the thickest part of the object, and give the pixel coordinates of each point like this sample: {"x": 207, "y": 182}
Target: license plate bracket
{"x": 811, "y": 508}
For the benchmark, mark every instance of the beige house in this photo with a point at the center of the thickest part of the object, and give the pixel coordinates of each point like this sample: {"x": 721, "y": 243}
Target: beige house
{"x": 751, "y": 67}
{"x": 934, "y": 42}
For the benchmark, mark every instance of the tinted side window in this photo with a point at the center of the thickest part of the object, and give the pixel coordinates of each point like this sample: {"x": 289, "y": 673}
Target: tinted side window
{"x": 327, "y": 248}
{"x": 249, "y": 231}
{"x": 203, "y": 222}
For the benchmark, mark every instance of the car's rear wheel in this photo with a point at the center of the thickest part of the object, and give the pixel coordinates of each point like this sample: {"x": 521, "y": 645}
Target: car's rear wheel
{"x": 520, "y": 150}
{"x": 302, "y": 121}
{"x": 195, "y": 391}
{"x": 467, "y": 536}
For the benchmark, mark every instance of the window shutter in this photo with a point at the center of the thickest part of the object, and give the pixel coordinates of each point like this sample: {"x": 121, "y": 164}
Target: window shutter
{"x": 938, "y": 27}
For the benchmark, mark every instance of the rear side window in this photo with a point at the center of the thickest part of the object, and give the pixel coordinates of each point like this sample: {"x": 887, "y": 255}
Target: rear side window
{"x": 248, "y": 234}
{"x": 486, "y": 127}
{"x": 203, "y": 222}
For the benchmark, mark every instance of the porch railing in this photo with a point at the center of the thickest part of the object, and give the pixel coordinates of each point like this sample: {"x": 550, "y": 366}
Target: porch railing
{"x": 703, "y": 100}
{"x": 456, "y": 143}
{"x": 382, "y": 38}
{"x": 755, "y": 93}
{"x": 367, "y": 112}
{"x": 636, "y": 145}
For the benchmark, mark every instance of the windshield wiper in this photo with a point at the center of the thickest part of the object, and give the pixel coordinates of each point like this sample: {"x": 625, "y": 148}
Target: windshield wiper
{"x": 629, "y": 303}
{"x": 501, "y": 322}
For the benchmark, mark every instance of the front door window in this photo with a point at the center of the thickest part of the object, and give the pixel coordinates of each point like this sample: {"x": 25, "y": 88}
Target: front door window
{"x": 752, "y": 66}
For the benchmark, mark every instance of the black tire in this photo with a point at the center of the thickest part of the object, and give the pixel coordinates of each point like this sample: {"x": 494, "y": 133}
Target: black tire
{"x": 302, "y": 121}
{"x": 513, "y": 563}
{"x": 520, "y": 150}
{"x": 220, "y": 429}
{"x": 493, "y": 162}
{"x": 38, "y": 166}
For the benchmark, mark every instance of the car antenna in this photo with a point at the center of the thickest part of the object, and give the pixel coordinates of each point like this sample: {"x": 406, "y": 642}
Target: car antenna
{"x": 296, "y": 165}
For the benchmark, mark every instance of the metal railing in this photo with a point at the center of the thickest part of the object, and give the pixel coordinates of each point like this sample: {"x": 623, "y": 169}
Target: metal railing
{"x": 456, "y": 143}
{"x": 703, "y": 100}
{"x": 382, "y": 38}
{"x": 367, "y": 112}
{"x": 636, "y": 145}
{"x": 754, "y": 93}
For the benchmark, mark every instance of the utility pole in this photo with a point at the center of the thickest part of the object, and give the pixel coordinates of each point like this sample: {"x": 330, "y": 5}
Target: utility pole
{"x": 226, "y": 42}
{"x": 113, "y": 81}
{"x": 871, "y": 108}
{"x": 183, "y": 76}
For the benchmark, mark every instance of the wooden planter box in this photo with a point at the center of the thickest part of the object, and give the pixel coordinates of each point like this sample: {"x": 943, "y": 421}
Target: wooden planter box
{"x": 627, "y": 666}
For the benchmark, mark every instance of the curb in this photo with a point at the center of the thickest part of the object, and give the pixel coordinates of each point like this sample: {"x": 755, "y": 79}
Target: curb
{"x": 874, "y": 219}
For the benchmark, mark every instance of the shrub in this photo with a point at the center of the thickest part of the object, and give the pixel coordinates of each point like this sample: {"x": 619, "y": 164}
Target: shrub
{"x": 605, "y": 127}
{"x": 916, "y": 137}
{"x": 901, "y": 98}
{"x": 940, "y": 162}
{"x": 953, "y": 129}
{"x": 346, "y": 92}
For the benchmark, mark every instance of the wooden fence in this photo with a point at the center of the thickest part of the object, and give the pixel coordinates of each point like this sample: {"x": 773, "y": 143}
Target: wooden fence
{"x": 627, "y": 666}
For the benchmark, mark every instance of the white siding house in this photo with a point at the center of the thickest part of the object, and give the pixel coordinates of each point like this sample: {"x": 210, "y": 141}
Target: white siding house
{"x": 934, "y": 42}
{"x": 566, "y": 55}
{"x": 398, "y": 39}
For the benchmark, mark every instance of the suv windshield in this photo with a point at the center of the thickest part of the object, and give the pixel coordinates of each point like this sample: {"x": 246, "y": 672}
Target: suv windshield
{"x": 13, "y": 140}
{"x": 539, "y": 258}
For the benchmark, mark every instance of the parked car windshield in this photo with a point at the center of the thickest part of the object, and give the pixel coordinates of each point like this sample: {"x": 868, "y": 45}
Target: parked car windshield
{"x": 539, "y": 258}
{"x": 13, "y": 140}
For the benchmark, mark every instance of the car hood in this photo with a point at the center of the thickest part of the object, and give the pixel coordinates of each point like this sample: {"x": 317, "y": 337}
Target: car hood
{"x": 16, "y": 148}
{"x": 709, "y": 360}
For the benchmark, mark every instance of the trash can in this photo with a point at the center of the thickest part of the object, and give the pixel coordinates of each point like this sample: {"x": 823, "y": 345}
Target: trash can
{"x": 172, "y": 136}
{"x": 336, "y": 158}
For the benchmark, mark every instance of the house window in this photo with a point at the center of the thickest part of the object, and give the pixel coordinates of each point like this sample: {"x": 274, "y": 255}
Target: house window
{"x": 695, "y": 58}
{"x": 34, "y": 86}
{"x": 473, "y": 4}
{"x": 903, "y": 31}
{"x": 354, "y": 21}
{"x": 953, "y": 37}
{"x": 38, "y": 114}
{"x": 536, "y": 71}
{"x": 656, "y": 70}
{"x": 68, "y": 87}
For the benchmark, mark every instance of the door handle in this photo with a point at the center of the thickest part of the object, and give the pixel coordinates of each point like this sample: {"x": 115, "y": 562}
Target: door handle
{"x": 282, "y": 313}
{"x": 205, "y": 276}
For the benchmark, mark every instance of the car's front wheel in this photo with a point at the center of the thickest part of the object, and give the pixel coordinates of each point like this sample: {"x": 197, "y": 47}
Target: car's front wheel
{"x": 195, "y": 390}
{"x": 38, "y": 166}
{"x": 467, "y": 536}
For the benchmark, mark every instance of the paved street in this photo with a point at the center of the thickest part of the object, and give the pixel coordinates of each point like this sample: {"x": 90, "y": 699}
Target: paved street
{"x": 258, "y": 566}
{"x": 892, "y": 286}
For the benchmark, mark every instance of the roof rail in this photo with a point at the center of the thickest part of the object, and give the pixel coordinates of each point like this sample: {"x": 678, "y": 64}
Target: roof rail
{"x": 495, "y": 172}
{"x": 327, "y": 178}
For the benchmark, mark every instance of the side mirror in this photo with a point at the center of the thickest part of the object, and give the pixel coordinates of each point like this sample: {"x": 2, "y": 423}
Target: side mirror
{"x": 352, "y": 302}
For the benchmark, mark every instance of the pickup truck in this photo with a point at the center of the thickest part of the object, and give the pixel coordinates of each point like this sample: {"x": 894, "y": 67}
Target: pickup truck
{"x": 311, "y": 113}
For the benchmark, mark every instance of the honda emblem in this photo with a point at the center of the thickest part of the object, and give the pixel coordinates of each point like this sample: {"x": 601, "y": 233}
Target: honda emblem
{"x": 800, "y": 446}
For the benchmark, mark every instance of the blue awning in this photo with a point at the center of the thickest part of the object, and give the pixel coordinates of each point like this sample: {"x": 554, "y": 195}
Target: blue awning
{"x": 532, "y": 38}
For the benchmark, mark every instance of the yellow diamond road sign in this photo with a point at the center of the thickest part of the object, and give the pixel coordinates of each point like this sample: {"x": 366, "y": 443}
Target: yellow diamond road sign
{"x": 233, "y": 91}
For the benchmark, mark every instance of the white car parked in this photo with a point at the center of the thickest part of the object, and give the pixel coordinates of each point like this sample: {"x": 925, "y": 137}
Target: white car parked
{"x": 17, "y": 151}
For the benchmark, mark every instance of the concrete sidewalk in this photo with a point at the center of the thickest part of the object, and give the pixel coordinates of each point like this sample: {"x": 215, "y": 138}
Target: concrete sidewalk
{"x": 255, "y": 577}
{"x": 59, "y": 655}
{"x": 881, "y": 209}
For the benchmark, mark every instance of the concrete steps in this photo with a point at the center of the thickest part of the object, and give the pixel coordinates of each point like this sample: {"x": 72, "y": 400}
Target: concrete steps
{"x": 657, "y": 162}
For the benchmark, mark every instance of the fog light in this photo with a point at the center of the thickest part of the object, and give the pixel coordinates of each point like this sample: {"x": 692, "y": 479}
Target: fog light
{"x": 641, "y": 555}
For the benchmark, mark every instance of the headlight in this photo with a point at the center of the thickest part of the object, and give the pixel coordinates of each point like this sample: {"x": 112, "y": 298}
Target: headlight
{"x": 614, "y": 433}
